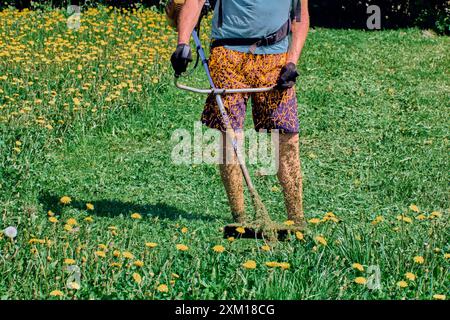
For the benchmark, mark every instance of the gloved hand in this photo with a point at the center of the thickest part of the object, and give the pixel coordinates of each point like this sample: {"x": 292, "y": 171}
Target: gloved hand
{"x": 181, "y": 58}
{"x": 288, "y": 76}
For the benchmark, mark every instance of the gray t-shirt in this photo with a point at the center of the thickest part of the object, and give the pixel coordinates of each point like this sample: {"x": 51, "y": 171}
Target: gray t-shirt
{"x": 252, "y": 19}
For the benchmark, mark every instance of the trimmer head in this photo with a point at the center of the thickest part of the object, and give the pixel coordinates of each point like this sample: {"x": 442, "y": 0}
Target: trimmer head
{"x": 281, "y": 231}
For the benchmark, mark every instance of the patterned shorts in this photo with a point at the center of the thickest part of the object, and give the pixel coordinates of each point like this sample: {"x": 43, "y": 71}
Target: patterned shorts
{"x": 276, "y": 109}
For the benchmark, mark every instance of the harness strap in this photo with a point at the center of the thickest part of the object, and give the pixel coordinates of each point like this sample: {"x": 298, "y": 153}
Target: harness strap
{"x": 253, "y": 43}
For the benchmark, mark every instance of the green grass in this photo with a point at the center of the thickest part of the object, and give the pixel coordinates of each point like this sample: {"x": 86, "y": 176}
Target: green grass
{"x": 374, "y": 140}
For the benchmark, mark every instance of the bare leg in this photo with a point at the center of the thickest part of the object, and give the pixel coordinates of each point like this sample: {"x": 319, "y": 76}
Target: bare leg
{"x": 232, "y": 179}
{"x": 290, "y": 176}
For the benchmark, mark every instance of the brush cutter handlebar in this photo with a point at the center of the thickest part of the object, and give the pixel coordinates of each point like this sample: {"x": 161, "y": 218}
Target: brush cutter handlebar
{"x": 217, "y": 91}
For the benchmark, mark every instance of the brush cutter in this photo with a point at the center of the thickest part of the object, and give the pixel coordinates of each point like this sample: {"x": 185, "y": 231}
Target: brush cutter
{"x": 262, "y": 226}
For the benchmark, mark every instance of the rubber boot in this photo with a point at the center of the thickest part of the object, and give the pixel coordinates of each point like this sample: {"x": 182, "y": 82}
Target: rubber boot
{"x": 232, "y": 179}
{"x": 290, "y": 177}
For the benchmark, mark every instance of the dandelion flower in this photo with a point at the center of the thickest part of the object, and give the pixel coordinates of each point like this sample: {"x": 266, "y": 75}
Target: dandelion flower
{"x": 71, "y": 222}
{"x": 439, "y": 297}
{"x": 116, "y": 253}
{"x": 137, "y": 278}
{"x": 162, "y": 288}
{"x": 89, "y": 206}
{"x": 358, "y": 267}
{"x": 289, "y": 222}
{"x": 138, "y": 263}
{"x": 10, "y": 232}
{"x": 414, "y": 208}
{"x": 56, "y": 293}
{"x": 151, "y": 244}
{"x": 102, "y": 246}
{"x": 419, "y": 259}
{"x": 360, "y": 280}
{"x": 265, "y": 248}
{"x": 299, "y": 235}
{"x": 74, "y": 285}
{"x": 230, "y": 239}
{"x": 116, "y": 265}
{"x": 69, "y": 261}
{"x": 284, "y": 265}
{"x": 100, "y": 254}
{"x": 127, "y": 255}
{"x": 68, "y": 227}
{"x": 184, "y": 230}
{"x": 182, "y": 247}
{"x": 377, "y": 220}
{"x": 447, "y": 255}
{"x": 421, "y": 217}
{"x": 410, "y": 276}
{"x": 272, "y": 264}
{"x": 321, "y": 240}
{"x": 402, "y": 284}
{"x": 249, "y": 264}
{"x": 50, "y": 213}
{"x": 436, "y": 214}
{"x": 136, "y": 216}
{"x": 314, "y": 221}
{"x": 89, "y": 219}
{"x": 53, "y": 219}
{"x": 218, "y": 248}
{"x": 240, "y": 230}
{"x": 65, "y": 200}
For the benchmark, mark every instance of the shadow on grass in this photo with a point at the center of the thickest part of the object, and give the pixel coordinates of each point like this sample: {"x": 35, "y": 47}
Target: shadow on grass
{"x": 113, "y": 208}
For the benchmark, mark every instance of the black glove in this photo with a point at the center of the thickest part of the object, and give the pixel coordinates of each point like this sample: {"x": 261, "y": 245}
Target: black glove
{"x": 181, "y": 58}
{"x": 288, "y": 76}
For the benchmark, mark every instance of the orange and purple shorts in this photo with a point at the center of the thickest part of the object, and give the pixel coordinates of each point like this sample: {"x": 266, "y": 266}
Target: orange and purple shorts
{"x": 276, "y": 109}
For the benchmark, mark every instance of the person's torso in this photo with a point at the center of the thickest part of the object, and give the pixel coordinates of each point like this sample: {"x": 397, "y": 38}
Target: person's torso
{"x": 252, "y": 19}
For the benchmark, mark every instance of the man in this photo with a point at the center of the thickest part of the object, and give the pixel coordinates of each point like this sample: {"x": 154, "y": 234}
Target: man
{"x": 251, "y": 48}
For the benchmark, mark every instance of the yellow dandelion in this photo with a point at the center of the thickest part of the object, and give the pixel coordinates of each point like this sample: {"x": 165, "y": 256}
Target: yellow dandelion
{"x": 436, "y": 214}
{"x": 360, "y": 280}
{"x": 240, "y": 230}
{"x": 321, "y": 240}
{"x": 377, "y": 220}
{"x": 414, "y": 208}
{"x": 69, "y": 261}
{"x": 65, "y": 200}
{"x": 116, "y": 253}
{"x": 218, "y": 248}
{"x": 50, "y": 213}
{"x": 182, "y": 247}
{"x": 314, "y": 221}
{"x": 151, "y": 244}
{"x": 71, "y": 222}
{"x": 68, "y": 227}
{"x": 74, "y": 285}
{"x": 116, "y": 265}
{"x": 136, "y": 216}
{"x": 138, "y": 263}
{"x": 421, "y": 217}
{"x": 184, "y": 230}
{"x": 102, "y": 246}
{"x": 402, "y": 284}
{"x": 137, "y": 278}
{"x": 439, "y": 297}
{"x": 163, "y": 288}
{"x": 230, "y": 239}
{"x": 265, "y": 248}
{"x": 176, "y": 276}
{"x": 100, "y": 254}
{"x": 127, "y": 255}
{"x": 53, "y": 219}
{"x": 89, "y": 206}
{"x": 358, "y": 267}
{"x": 289, "y": 222}
{"x": 284, "y": 265}
{"x": 272, "y": 264}
{"x": 249, "y": 264}
{"x": 56, "y": 293}
{"x": 299, "y": 235}
{"x": 89, "y": 219}
{"x": 410, "y": 276}
{"x": 419, "y": 259}
{"x": 447, "y": 255}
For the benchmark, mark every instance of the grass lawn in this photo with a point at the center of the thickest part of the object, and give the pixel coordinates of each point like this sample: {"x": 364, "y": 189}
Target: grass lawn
{"x": 89, "y": 114}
